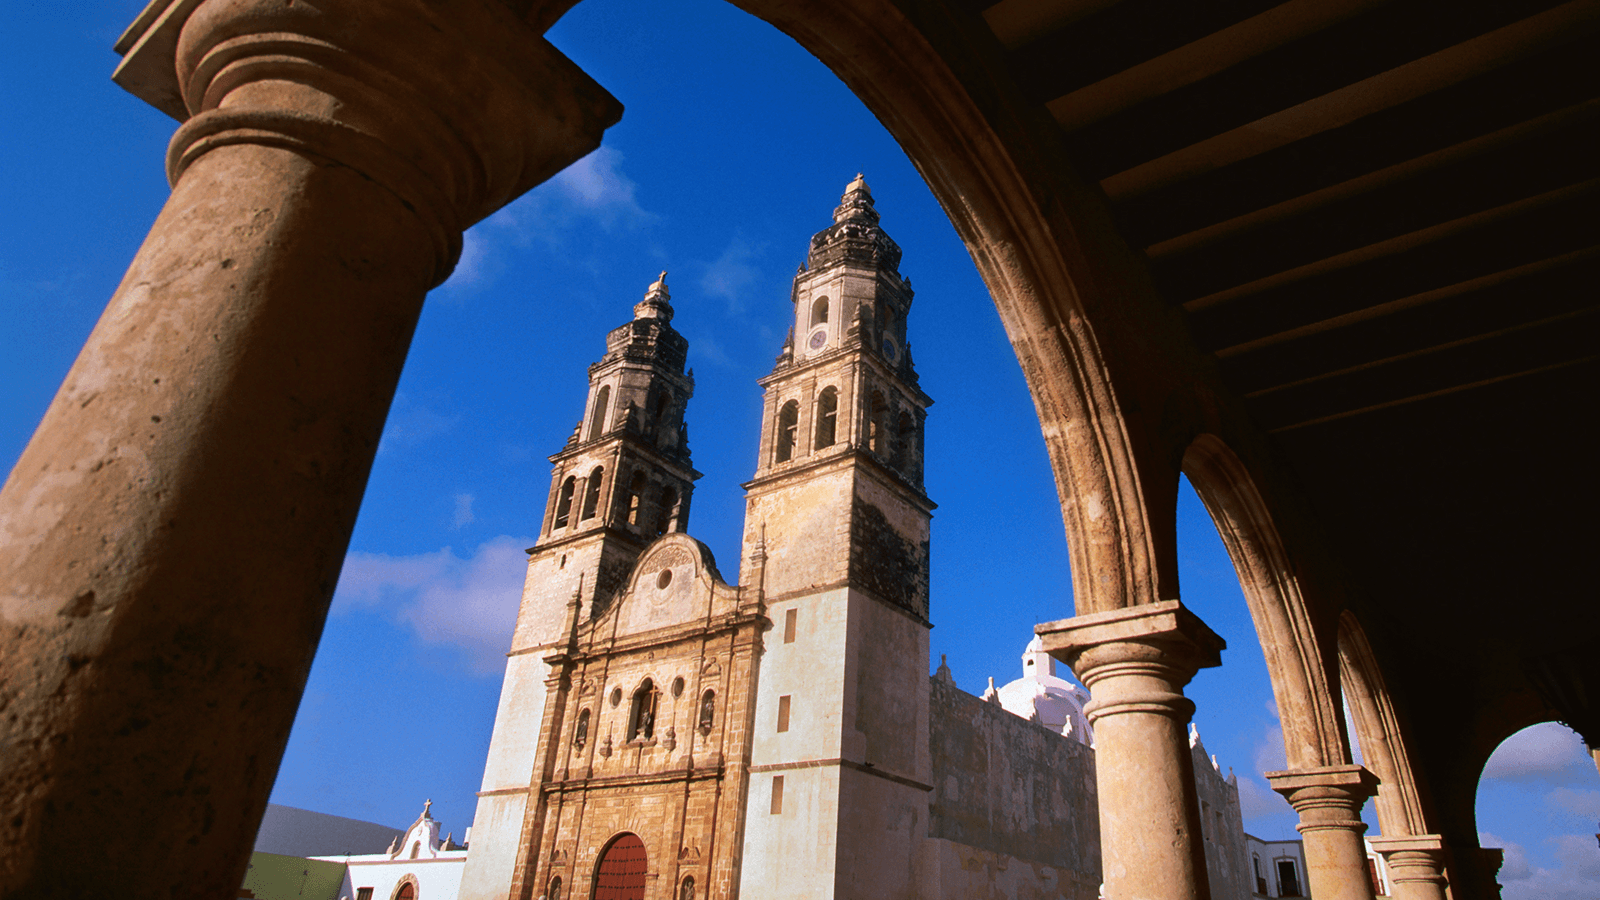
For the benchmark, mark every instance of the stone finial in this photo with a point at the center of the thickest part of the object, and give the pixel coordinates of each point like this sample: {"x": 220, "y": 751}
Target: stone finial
{"x": 657, "y": 302}
{"x": 856, "y": 204}
{"x": 993, "y": 693}
{"x": 943, "y": 673}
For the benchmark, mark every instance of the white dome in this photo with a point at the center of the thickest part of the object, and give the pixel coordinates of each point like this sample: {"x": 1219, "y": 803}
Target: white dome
{"x": 1040, "y": 696}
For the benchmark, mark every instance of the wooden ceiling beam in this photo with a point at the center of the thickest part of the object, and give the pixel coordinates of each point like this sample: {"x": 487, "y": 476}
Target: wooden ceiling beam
{"x": 1201, "y": 59}
{"x": 1370, "y": 95}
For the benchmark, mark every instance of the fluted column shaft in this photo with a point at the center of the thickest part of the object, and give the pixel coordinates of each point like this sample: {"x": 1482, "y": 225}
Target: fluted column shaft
{"x": 1135, "y": 663}
{"x": 1329, "y": 801}
{"x": 171, "y": 537}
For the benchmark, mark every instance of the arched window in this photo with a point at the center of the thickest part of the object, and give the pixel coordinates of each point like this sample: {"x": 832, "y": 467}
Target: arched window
{"x": 686, "y": 890}
{"x": 622, "y": 870}
{"x": 635, "y": 497}
{"x": 788, "y": 420}
{"x": 591, "y": 494}
{"x": 827, "y": 417}
{"x": 416, "y": 847}
{"x": 708, "y": 711}
{"x": 877, "y": 410}
{"x": 667, "y": 513}
{"x": 408, "y": 890}
{"x": 819, "y": 312}
{"x": 564, "y": 503}
{"x": 658, "y": 408}
{"x": 901, "y": 441}
{"x": 642, "y": 716}
{"x": 580, "y": 733}
{"x": 597, "y": 420}
{"x": 554, "y": 893}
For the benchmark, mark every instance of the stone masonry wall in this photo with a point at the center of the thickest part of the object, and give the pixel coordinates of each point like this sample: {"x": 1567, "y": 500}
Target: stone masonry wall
{"x": 1011, "y": 787}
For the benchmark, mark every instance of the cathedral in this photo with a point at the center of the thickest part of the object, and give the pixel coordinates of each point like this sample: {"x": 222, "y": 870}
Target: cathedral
{"x": 664, "y": 733}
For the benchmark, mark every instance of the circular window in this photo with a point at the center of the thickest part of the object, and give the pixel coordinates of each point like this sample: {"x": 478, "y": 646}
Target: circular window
{"x": 677, "y": 687}
{"x": 616, "y": 696}
{"x": 664, "y": 579}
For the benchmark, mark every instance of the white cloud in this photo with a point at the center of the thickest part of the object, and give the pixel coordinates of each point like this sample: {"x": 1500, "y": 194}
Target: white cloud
{"x": 1584, "y": 804}
{"x": 1257, "y": 800}
{"x": 706, "y": 349}
{"x": 1271, "y": 755}
{"x": 731, "y": 275}
{"x": 463, "y": 512}
{"x": 470, "y": 604}
{"x": 1545, "y": 751}
{"x": 594, "y": 191}
{"x": 412, "y": 423}
{"x": 596, "y": 186}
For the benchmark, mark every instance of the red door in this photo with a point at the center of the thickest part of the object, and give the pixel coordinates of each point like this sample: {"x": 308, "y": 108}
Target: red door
{"x": 620, "y": 875}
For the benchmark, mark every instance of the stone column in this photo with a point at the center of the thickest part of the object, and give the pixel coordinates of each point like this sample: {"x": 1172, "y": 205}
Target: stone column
{"x": 1329, "y": 801}
{"x": 1135, "y": 662}
{"x": 1416, "y": 865}
{"x": 171, "y": 537}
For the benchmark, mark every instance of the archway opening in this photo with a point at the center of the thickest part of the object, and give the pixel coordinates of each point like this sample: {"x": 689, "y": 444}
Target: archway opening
{"x": 1538, "y": 801}
{"x": 623, "y": 869}
{"x": 1236, "y": 713}
{"x": 489, "y": 418}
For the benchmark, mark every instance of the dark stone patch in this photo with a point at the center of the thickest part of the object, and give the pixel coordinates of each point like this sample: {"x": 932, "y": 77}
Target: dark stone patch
{"x": 885, "y": 562}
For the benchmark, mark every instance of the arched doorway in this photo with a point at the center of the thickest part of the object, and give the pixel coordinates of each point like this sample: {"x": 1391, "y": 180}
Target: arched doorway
{"x": 620, "y": 874}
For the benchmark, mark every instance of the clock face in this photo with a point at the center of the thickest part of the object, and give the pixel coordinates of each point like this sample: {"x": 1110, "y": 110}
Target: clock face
{"x": 889, "y": 349}
{"x": 818, "y": 338}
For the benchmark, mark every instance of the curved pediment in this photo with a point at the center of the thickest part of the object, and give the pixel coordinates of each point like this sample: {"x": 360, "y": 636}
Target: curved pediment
{"x": 674, "y": 582}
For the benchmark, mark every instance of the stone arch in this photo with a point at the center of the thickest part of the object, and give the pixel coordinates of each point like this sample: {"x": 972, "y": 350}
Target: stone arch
{"x": 1383, "y": 750}
{"x": 643, "y": 710}
{"x": 597, "y": 418}
{"x": 1313, "y": 729}
{"x": 787, "y": 425}
{"x": 564, "y": 503}
{"x": 878, "y": 424}
{"x": 633, "y": 515}
{"x": 668, "y": 512}
{"x": 1043, "y": 266}
{"x": 819, "y": 312}
{"x": 827, "y": 418}
{"x": 620, "y": 870}
{"x": 408, "y": 888}
{"x": 591, "y": 493}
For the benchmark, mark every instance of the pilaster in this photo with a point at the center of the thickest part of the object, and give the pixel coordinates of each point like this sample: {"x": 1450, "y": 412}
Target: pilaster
{"x": 1329, "y": 801}
{"x": 1135, "y": 662}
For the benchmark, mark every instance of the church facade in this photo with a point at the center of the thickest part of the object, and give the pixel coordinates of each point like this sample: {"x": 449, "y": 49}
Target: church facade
{"x": 664, "y": 733}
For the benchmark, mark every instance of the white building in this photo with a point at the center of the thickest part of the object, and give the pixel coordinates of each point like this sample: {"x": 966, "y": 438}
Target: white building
{"x": 418, "y": 865}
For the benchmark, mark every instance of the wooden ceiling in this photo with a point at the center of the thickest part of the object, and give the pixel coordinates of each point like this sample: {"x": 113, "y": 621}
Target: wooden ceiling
{"x": 1380, "y": 218}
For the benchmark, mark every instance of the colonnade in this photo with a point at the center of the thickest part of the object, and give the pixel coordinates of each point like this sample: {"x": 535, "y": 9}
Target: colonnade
{"x": 175, "y": 529}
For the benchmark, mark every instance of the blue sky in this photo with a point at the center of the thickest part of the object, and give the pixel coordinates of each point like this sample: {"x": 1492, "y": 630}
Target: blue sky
{"x": 734, "y": 149}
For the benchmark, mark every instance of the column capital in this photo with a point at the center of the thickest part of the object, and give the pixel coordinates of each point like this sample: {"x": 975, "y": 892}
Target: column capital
{"x": 1407, "y": 843}
{"x": 1327, "y": 797}
{"x": 1165, "y": 633}
{"x": 1416, "y": 864}
{"x": 455, "y": 106}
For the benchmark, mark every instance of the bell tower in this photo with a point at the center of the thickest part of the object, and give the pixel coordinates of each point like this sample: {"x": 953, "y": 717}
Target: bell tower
{"x": 623, "y": 479}
{"x": 838, "y": 797}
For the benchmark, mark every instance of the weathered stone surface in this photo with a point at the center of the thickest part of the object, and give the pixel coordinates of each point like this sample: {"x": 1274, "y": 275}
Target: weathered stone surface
{"x": 1011, "y": 787}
